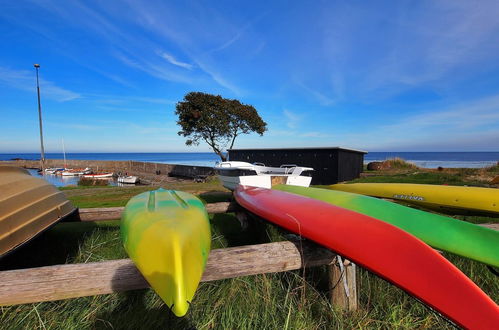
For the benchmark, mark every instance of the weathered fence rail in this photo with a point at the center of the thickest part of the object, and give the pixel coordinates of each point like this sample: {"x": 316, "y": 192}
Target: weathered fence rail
{"x": 110, "y": 213}
{"x": 79, "y": 280}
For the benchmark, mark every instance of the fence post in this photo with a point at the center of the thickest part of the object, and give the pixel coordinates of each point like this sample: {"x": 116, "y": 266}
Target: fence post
{"x": 343, "y": 284}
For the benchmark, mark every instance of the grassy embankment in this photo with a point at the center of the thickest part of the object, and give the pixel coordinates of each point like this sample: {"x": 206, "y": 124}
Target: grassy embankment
{"x": 271, "y": 301}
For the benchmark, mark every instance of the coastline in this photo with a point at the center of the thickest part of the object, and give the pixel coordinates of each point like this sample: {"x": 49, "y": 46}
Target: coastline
{"x": 420, "y": 159}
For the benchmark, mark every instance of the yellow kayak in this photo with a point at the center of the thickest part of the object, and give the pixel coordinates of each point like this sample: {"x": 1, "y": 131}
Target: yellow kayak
{"x": 455, "y": 199}
{"x": 167, "y": 235}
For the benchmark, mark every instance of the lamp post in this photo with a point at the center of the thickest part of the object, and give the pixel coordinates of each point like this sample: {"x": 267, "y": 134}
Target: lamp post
{"x": 42, "y": 160}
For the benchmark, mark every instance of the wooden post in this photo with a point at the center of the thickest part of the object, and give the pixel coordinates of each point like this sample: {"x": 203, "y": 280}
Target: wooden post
{"x": 343, "y": 284}
{"x": 243, "y": 219}
{"x": 50, "y": 283}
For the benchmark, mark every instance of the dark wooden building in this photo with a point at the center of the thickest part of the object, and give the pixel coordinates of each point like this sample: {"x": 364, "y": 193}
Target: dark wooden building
{"x": 330, "y": 164}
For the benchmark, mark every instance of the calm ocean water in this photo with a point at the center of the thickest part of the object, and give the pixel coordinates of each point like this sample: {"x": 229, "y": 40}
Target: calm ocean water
{"x": 442, "y": 159}
{"x": 181, "y": 158}
{"x": 422, "y": 159}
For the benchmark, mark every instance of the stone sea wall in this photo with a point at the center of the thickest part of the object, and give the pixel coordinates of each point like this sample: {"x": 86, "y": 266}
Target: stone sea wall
{"x": 130, "y": 167}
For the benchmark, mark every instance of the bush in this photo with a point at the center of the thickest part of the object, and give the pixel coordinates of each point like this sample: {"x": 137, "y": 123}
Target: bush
{"x": 92, "y": 182}
{"x": 397, "y": 164}
{"x": 493, "y": 168}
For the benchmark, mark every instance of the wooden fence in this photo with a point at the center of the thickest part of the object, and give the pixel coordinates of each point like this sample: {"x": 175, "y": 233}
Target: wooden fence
{"x": 51, "y": 283}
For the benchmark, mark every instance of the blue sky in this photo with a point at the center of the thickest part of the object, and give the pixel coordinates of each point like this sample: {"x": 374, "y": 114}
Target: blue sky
{"x": 370, "y": 75}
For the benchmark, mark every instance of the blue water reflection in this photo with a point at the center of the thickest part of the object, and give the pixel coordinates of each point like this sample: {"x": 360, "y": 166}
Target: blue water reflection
{"x": 62, "y": 181}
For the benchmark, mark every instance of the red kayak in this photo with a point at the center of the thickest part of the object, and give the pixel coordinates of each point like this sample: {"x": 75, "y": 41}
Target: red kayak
{"x": 380, "y": 247}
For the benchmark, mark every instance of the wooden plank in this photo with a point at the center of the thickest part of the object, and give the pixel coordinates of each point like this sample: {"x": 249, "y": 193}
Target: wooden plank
{"x": 111, "y": 213}
{"x": 97, "y": 214}
{"x": 78, "y": 280}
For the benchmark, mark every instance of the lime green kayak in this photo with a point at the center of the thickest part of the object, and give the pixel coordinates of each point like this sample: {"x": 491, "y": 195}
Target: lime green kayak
{"x": 167, "y": 235}
{"x": 443, "y": 233}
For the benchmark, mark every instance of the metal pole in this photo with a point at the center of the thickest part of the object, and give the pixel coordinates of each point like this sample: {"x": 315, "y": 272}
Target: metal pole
{"x": 42, "y": 160}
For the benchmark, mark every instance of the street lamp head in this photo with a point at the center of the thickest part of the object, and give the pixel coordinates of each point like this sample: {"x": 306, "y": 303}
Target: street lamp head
{"x": 36, "y": 65}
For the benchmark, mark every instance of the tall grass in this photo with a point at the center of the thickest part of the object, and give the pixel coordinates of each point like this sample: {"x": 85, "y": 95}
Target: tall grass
{"x": 398, "y": 163}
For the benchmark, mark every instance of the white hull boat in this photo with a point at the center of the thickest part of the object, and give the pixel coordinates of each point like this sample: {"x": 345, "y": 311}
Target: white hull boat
{"x": 53, "y": 170}
{"x": 231, "y": 174}
{"x": 99, "y": 176}
{"x": 70, "y": 172}
{"x": 128, "y": 179}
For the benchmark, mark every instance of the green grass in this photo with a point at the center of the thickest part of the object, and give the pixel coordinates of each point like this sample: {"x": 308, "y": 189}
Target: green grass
{"x": 290, "y": 300}
{"x": 423, "y": 177}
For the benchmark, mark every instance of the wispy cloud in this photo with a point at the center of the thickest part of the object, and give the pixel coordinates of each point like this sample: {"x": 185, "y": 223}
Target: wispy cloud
{"x": 470, "y": 126}
{"x": 316, "y": 134}
{"x": 26, "y": 80}
{"x": 218, "y": 77}
{"x": 240, "y": 32}
{"x": 382, "y": 54}
{"x": 173, "y": 61}
{"x": 321, "y": 98}
{"x": 292, "y": 118}
{"x": 128, "y": 99}
{"x": 189, "y": 39}
{"x": 472, "y": 115}
{"x": 153, "y": 68}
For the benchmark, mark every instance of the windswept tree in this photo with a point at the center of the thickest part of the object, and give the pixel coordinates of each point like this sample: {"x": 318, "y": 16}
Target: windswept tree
{"x": 216, "y": 121}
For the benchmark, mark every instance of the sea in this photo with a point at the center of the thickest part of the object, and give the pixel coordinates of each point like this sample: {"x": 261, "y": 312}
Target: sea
{"x": 421, "y": 159}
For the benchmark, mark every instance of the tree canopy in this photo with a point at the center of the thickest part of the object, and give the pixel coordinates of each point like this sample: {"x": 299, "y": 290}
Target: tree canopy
{"x": 216, "y": 120}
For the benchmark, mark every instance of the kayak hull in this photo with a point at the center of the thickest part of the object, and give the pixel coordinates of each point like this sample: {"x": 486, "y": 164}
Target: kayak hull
{"x": 447, "y": 199}
{"x": 443, "y": 233}
{"x": 380, "y": 247}
{"x": 28, "y": 206}
{"x": 167, "y": 235}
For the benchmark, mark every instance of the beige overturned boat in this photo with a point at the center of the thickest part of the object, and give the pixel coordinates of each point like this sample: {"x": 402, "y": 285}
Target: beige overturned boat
{"x": 28, "y": 206}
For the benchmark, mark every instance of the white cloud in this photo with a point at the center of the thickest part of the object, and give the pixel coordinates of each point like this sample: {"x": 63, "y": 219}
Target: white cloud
{"x": 26, "y": 80}
{"x": 173, "y": 61}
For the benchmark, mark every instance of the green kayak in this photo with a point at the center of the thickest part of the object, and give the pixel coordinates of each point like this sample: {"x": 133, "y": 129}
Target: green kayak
{"x": 443, "y": 233}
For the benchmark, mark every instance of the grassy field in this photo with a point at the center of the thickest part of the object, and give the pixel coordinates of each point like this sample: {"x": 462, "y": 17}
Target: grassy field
{"x": 290, "y": 300}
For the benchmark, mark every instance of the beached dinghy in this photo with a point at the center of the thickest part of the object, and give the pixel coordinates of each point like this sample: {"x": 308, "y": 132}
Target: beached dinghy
{"x": 28, "y": 206}
{"x": 231, "y": 174}
{"x": 167, "y": 235}
{"x": 451, "y": 199}
{"x": 443, "y": 233}
{"x": 380, "y": 247}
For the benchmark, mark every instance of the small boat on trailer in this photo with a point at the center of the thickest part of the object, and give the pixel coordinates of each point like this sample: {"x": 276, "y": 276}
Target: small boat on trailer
{"x": 233, "y": 173}
{"x": 28, "y": 206}
{"x": 130, "y": 179}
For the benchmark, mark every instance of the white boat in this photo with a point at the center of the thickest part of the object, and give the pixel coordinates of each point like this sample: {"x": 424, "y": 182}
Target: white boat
{"x": 231, "y": 174}
{"x": 71, "y": 172}
{"x": 53, "y": 170}
{"x": 128, "y": 179}
{"x": 99, "y": 176}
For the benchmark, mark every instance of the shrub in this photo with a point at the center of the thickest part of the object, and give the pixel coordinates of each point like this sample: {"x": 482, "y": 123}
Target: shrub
{"x": 398, "y": 163}
{"x": 92, "y": 182}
